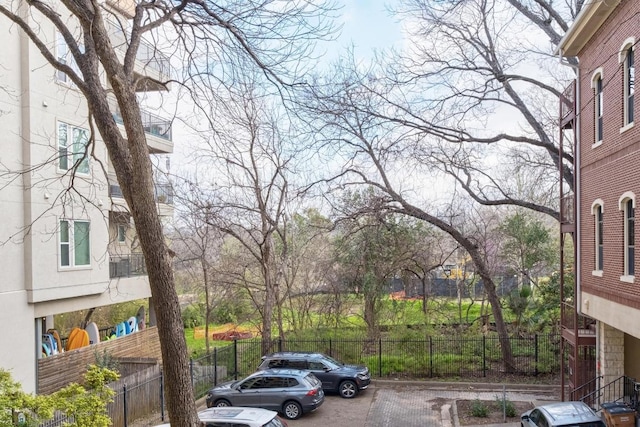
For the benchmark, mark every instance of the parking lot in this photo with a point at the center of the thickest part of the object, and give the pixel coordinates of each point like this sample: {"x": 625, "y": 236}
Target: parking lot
{"x": 388, "y": 403}
{"x": 408, "y": 404}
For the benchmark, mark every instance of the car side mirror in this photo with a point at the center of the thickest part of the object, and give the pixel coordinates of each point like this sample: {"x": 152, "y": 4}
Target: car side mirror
{"x": 326, "y": 369}
{"x": 525, "y": 417}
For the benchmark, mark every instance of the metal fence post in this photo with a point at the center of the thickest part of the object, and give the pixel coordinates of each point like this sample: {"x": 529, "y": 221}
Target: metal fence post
{"x": 430, "y": 358}
{"x": 330, "y": 348}
{"x": 191, "y": 371}
{"x": 380, "y": 357}
{"x": 279, "y": 343}
{"x": 215, "y": 366}
{"x": 235, "y": 358}
{"x": 124, "y": 405}
{"x": 484, "y": 355}
{"x": 535, "y": 341}
{"x": 161, "y": 396}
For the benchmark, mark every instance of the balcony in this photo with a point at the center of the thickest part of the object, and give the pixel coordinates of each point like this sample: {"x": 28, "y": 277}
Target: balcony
{"x": 127, "y": 266}
{"x": 150, "y": 62}
{"x": 572, "y": 322}
{"x": 567, "y": 213}
{"x": 163, "y": 193}
{"x": 156, "y": 127}
{"x": 568, "y": 106}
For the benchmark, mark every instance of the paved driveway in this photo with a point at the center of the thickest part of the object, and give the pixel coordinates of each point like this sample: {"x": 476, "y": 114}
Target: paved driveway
{"x": 415, "y": 404}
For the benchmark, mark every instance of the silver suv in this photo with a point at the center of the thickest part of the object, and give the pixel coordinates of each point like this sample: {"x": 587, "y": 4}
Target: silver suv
{"x": 289, "y": 391}
{"x": 347, "y": 380}
{"x": 574, "y": 414}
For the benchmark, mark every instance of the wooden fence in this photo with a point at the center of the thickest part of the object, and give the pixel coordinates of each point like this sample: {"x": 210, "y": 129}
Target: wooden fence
{"x": 138, "y": 395}
{"x": 57, "y": 371}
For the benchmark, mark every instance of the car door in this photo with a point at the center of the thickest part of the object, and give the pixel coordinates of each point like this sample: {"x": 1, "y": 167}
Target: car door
{"x": 324, "y": 374}
{"x": 274, "y": 393}
{"x": 249, "y": 392}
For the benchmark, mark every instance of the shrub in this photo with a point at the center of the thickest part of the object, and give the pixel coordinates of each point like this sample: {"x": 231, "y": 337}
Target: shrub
{"x": 479, "y": 409}
{"x": 192, "y": 316}
{"x": 509, "y": 407}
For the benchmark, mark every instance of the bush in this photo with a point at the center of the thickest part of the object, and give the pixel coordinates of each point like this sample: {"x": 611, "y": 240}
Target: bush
{"x": 479, "y": 409}
{"x": 192, "y": 316}
{"x": 509, "y": 407}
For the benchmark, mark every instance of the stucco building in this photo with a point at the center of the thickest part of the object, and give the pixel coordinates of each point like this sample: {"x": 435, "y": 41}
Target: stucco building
{"x": 67, "y": 239}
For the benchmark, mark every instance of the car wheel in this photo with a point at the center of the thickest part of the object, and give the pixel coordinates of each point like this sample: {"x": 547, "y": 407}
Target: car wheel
{"x": 222, "y": 402}
{"x": 292, "y": 410}
{"x": 348, "y": 389}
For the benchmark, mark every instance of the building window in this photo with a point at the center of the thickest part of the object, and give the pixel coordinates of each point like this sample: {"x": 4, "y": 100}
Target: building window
{"x": 629, "y": 238}
{"x": 64, "y": 56}
{"x": 122, "y": 233}
{"x": 599, "y": 238}
{"x": 626, "y": 58}
{"x": 73, "y": 148}
{"x": 75, "y": 247}
{"x": 627, "y": 205}
{"x": 599, "y": 102}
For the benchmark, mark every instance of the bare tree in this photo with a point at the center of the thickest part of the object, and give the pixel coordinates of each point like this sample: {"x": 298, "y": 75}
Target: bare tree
{"x": 269, "y": 35}
{"x": 479, "y": 82}
{"x": 307, "y": 260}
{"x": 197, "y": 246}
{"x": 254, "y": 151}
{"x": 377, "y": 152}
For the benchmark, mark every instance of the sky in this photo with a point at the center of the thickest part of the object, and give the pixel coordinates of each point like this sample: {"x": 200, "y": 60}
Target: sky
{"x": 367, "y": 25}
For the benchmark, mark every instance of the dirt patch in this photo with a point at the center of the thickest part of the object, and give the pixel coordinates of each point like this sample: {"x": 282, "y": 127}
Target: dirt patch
{"x": 494, "y": 412}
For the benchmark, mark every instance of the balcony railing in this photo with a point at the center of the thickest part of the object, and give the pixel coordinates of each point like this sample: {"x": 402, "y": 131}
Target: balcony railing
{"x": 153, "y": 125}
{"x": 148, "y": 54}
{"x": 567, "y": 209}
{"x": 127, "y": 266}
{"x": 567, "y": 101}
{"x": 115, "y": 191}
{"x": 570, "y": 317}
{"x": 163, "y": 193}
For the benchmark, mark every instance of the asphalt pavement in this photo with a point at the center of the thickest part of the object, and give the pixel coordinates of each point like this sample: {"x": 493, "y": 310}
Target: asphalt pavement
{"x": 417, "y": 404}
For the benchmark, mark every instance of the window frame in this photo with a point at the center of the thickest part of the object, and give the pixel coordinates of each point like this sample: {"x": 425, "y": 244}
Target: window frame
{"x": 627, "y": 204}
{"x": 626, "y": 58}
{"x": 71, "y": 151}
{"x": 70, "y": 247}
{"x": 597, "y": 210}
{"x": 121, "y": 233}
{"x": 598, "y": 106}
{"x": 64, "y": 55}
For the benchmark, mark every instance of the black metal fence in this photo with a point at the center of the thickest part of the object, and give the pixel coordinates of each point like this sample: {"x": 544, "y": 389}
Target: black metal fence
{"x": 442, "y": 357}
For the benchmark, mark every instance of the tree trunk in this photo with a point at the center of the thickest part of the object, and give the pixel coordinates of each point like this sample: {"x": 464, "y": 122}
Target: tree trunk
{"x": 370, "y": 316}
{"x": 133, "y": 168}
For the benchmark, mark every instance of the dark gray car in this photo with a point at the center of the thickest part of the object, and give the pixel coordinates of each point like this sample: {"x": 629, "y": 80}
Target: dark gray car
{"x": 347, "y": 380}
{"x": 289, "y": 391}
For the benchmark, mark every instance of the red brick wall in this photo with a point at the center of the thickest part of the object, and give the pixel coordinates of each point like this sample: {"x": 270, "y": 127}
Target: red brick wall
{"x": 613, "y": 168}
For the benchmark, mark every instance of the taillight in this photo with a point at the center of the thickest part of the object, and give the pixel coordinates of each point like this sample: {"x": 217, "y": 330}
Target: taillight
{"x": 312, "y": 392}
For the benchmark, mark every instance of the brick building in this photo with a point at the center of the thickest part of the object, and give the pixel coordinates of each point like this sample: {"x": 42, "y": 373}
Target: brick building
{"x": 606, "y": 146}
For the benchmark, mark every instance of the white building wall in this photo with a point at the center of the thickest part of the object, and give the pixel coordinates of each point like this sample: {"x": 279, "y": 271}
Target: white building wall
{"x": 33, "y": 285}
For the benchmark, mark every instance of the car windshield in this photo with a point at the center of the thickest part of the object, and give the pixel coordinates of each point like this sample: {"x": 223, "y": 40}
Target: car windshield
{"x": 334, "y": 362}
